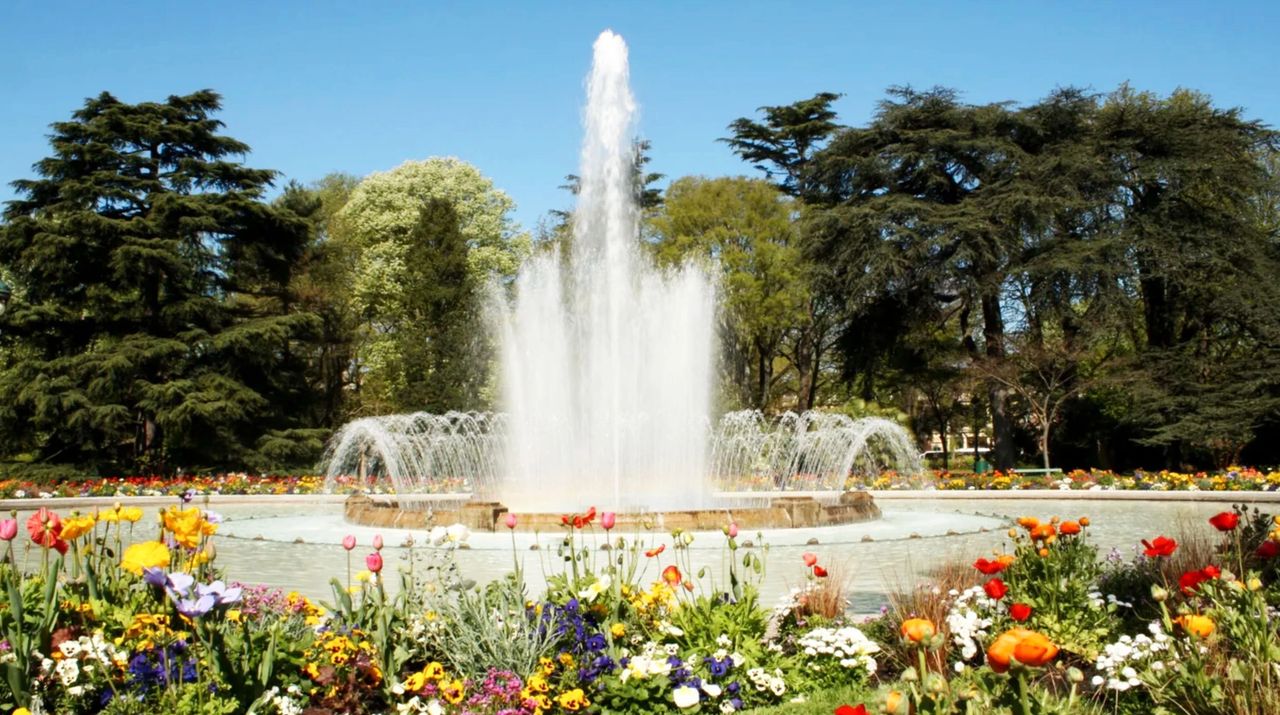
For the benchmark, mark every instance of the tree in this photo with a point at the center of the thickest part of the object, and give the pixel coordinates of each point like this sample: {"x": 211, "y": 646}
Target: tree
{"x": 783, "y": 148}
{"x": 1189, "y": 179}
{"x": 745, "y": 229}
{"x": 156, "y": 327}
{"x": 381, "y": 221}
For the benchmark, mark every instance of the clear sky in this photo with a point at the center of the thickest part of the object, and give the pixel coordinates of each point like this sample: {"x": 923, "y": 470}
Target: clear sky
{"x": 316, "y": 87}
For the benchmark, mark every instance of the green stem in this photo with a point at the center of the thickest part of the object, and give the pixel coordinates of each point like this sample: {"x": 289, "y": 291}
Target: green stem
{"x": 1024, "y": 705}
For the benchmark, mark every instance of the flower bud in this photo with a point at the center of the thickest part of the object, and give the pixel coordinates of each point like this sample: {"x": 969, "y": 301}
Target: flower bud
{"x": 1158, "y": 593}
{"x": 1074, "y": 675}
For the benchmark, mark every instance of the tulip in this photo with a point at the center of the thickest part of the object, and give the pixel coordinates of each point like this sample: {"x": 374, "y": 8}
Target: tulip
{"x": 349, "y": 542}
{"x": 1225, "y": 521}
{"x": 377, "y": 543}
{"x": 608, "y": 519}
{"x": 809, "y": 559}
{"x": 918, "y": 629}
{"x": 8, "y": 529}
{"x": 733, "y": 534}
{"x": 1020, "y": 612}
{"x": 509, "y": 520}
{"x": 373, "y": 562}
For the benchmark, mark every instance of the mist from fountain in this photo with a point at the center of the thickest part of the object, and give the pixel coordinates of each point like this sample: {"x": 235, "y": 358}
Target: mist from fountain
{"x": 811, "y": 451}
{"x": 606, "y": 359}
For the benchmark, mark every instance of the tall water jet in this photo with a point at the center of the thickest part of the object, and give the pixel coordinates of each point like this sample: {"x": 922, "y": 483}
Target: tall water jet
{"x": 606, "y": 360}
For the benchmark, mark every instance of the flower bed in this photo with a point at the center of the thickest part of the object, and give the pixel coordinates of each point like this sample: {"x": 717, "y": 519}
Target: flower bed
{"x": 1232, "y": 479}
{"x": 124, "y": 611}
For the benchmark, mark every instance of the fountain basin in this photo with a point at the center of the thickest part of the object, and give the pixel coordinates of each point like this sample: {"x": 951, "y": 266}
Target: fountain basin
{"x": 788, "y": 511}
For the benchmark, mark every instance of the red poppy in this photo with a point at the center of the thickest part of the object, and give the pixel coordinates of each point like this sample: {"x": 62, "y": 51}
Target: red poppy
{"x": 1225, "y": 521}
{"x": 671, "y": 575}
{"x": 1019, "y": 612}
{"x": 656, "y": 550}
{"x": 45, "y": 528}
{"x": 991, "y": 568}
{"x": 1191, "y": 580}
{"x": 851, "y": 710}
{"x": 995, "y": 588}
{"x": 1161, "y": 546}
{"x": 1268, "y": 550}
{"x": 809, "y": 559}
{"x": 819, "y": 572}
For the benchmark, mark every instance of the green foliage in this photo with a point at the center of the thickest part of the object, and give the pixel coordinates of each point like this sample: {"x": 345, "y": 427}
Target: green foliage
{"x": 155, "y": 325}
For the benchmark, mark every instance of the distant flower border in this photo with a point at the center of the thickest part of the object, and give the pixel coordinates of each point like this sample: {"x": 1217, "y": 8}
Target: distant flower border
{"x": 1232, "y": 479}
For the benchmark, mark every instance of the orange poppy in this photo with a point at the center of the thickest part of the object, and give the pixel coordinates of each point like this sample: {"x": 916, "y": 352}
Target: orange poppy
{"x": 918, "y": 629}
{"x": 1069, "y": 528}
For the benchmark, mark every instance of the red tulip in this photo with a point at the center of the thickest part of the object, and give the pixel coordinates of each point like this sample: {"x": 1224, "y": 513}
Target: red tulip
{"x": 850, "y": 710}
{"x": 1019, "y": 612}
{"x": 608, "y": 519}
{"x": 1225, "y": 521}
{"x": 8, "y": 529}
{"x": 809, "y": 559}
{"x": 1161, "y": 546}
{"x": 819, "y": 572}
{"x": 377, "y": 542}
{"x": 1268, "y": 550}
{"x": 349, "y": 542}
{"x": 510, "y": 520}
{"x": 373, "y": 562}
{"x": 995, "y": 588}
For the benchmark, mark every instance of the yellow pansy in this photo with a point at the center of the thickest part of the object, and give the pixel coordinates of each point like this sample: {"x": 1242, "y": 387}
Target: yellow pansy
{"x": 617, "y": 630}
{"x": 573, "y": 700}
{"x": 145, "y": 554}
{"x": 453, "y": 691}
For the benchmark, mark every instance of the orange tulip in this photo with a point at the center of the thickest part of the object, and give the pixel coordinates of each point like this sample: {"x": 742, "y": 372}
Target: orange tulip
{"x": 918, "y": 629}
{"x": 1069, "y": 527}
{"x": 1200, "y": 626}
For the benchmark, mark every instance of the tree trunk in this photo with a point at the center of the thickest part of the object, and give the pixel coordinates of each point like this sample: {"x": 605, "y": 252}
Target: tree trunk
{"x": 1001, "y": 425}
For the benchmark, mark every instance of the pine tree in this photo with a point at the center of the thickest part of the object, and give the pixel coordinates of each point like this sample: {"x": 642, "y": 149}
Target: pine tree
{"x": 155, "y": 324}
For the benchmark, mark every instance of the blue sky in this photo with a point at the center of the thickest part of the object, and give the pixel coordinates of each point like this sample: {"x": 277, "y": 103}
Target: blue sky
{"x": 316, "y": 87}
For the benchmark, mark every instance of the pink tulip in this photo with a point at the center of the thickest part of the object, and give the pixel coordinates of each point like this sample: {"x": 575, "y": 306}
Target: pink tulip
{"x": 608, "y": 519}
{"x": 373, "y": 562}
{"x": 510, "y": 520}
{"x": 809, "y": 559}
{"x": 8, "y": 529}
{"x": 733, "y": 530}
{"x": 349, "y": 542}
{"x": 377, "y": 542}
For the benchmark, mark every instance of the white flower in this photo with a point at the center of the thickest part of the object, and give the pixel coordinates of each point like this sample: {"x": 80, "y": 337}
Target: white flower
{"x": 437, "y": 535}
{"x": 458, "y": 533}
{"x": 685, "y": 696}
{"x": 711, "y": 689}
{"x": 67, "y": 671}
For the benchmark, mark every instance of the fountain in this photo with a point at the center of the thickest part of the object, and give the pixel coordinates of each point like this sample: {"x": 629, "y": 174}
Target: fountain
{"x": 607, "y": 373}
